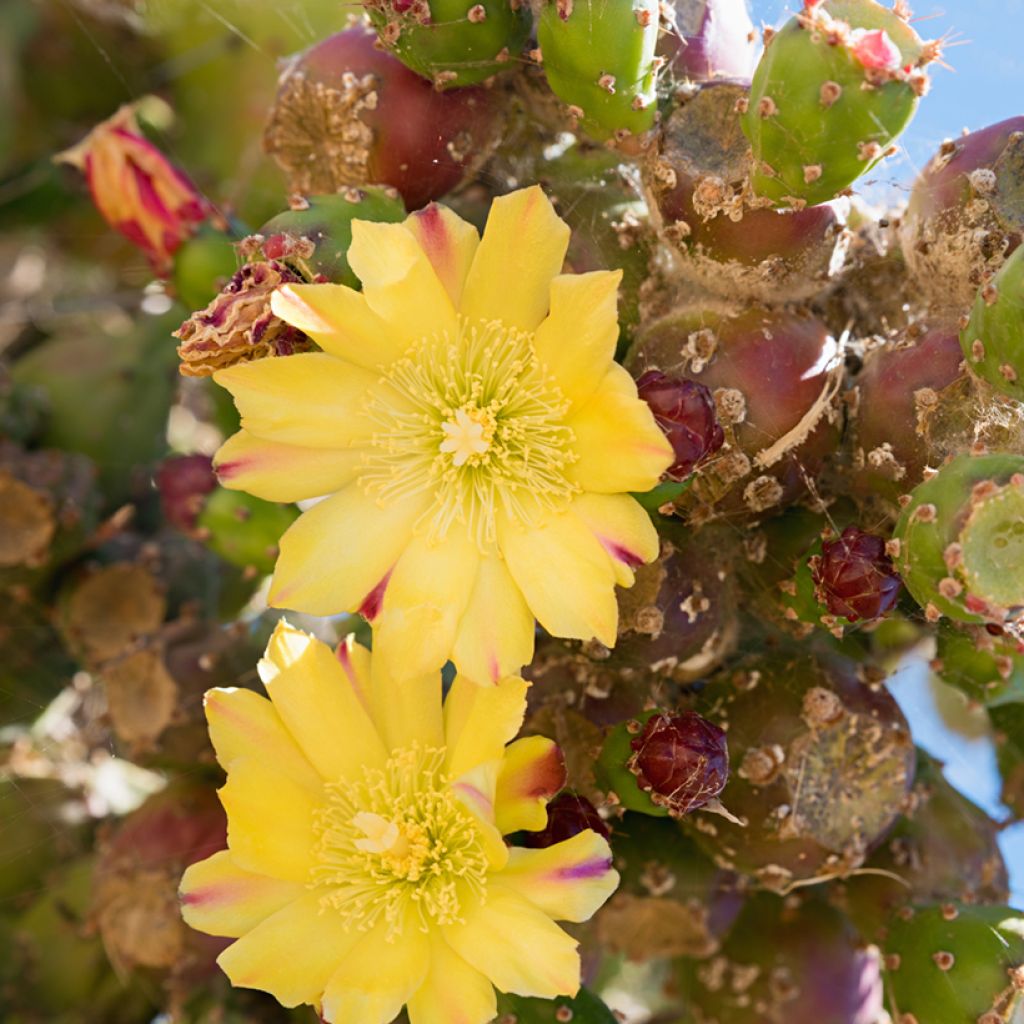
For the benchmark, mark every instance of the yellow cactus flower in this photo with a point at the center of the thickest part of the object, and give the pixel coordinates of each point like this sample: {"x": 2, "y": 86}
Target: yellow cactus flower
{"x": 365, "y": 867}
{"x": 136, "y": 189}
{"x": 474, "y": 435}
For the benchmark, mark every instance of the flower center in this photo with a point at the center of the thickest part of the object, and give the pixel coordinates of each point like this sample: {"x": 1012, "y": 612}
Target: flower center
{"x": 397, "y": 846}
{"x": 475, "y": 422}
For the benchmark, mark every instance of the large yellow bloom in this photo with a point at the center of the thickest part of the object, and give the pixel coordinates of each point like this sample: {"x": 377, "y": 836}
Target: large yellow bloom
{"x": 365, "y": 866}
{"x": 475, "y": 436}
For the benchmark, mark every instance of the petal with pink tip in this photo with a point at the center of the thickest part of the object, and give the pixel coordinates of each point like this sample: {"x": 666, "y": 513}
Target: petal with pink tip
{"x": 449, "y": 242}
{"x": 623, "y": 528}
{"x": 568, "y": 881}
{"x": 532, "y": 772}
{"x": 219, "y": 898}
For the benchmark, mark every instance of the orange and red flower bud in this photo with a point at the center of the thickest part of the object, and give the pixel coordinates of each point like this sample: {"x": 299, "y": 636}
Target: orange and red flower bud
{"x": 136, "y": 189}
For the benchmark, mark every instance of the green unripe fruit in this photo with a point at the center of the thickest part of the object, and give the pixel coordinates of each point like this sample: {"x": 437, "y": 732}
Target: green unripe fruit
{"x": 614, "y": 776}
{"x": 993, "y": 341}
{"x": 835, "y": 86}
{"x": 599, "y": 57}
{"x": 202, "y": 266}
{"x": 327, "y": 222}
{"x": 961, "y": 540}
{"x": 452, "y": 42}
{"x": 244, "y": 530}
{"x": 956, "y": 964}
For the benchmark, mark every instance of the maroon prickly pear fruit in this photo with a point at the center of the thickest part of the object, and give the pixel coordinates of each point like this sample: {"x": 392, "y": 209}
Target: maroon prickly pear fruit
{"x": 183, "y": 482}
{"x": 821, "y": 766}
{"x": 685, "y": 411}
{"x": 897, "y": 390}
{"x": 681, "y": 760}
{"x": 568, "y": 814}
{"x": 350, "y": 114}
{"x": 135, "y": 901}
{"x": 695, "y": 180}
{"x": 966, "y": 213}
{"x": 709, "y": 39}
{"x": 775, "y": 377}
{"x": 854, "y": 577}
{"x": 793, "y": 960}
{"x": 679, "y": 619}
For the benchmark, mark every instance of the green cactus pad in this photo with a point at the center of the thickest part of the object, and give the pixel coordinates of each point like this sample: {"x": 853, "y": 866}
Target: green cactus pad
{"x": 988, "y": 669}
{"x": 993, "y": 341}
{"x": 583, "y": 1008}
{"x": 961, "y": 539}
{"x": 956, "y": 964}
{"x": 599, "y": 58}
{"x": 452, "y": 42}
{"x": 327, "y": 222}
{"x": 817, "y": 118}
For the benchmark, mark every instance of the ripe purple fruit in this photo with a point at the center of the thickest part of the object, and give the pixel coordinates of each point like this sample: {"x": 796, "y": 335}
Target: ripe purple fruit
{"x": 685, "y": 411}
{"x": 183, "y": 482}
{"x": 855, "y": 577}
{"x": 568, "y": 814}
{"x": 681, "y": 760}
{"x": 709, "y": 39}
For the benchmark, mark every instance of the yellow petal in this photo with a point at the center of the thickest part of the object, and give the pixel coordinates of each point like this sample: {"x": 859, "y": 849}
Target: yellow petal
{"x": 532, "y": 772}
{"x": 377, "y": 977}
{"x": 244, "y": 724}
{"x": 480, "y": 720}
{"x": 219, "y": 898}
{"x": 495, "y": 634}
{"x": 475, "y": 791}
{"x": 354, "y": 660}
{"x": 398, "y": 281}
{"x": 284, "y": 472}
{"x": 406, "y": 709}
{"x": 424, "y": 601}
{"x": 310, "y": 399}
{"x": 576, "y": 341}
{"x": 292, "y": 954}
{"x": 341, "y": 322}
{"x": 622, "y": 528}
{"x": 270, "y": 820}
{"x": 449, "y": 242}
{"x": 620, "y": 447}
{"x": 517, "y": 946}
{"x": 318, "y": 705}
{"x": 336, "y": 556}
{"x": 523, "y": 248}
{"x": 568, "y": 881}
{"x": 453, "y": 992}
{"x": 565, "y": 576}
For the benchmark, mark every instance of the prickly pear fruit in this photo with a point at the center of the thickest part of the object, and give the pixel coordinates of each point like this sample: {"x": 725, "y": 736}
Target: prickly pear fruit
{"x": 793, "y": 960}
{"x": 988, "y": 667}
{"x": 897, "y": 390}
{"x": 945, "y": 847}
{"x": 993, "y": 340}
{"x": 452, "y": 43}
{"x": 834, "y": 88}
{"x": 708, "y": 39}
{"x": 774, "y": 377}
{"x": 568, "y": 814}
{"x": 349, "y": 114}
{"x": 599, "y": 58}
{"x": 582, "y": 1008}
{"x": 678, "y": 620}
{"x": 961, "y": 540}
{"x": 672, "y": 900}
{"x": 685, "y": 411}
{"x": 244, "y": 530}
{"x": 202, "y": 266}
{"x": 695, "y": 178}
{"x": 854, "y": 577}
{"x": 966, "y": 213}
{"x": 326, "y": 221}
{"x": 955, "y": 964}
{"x": 821, "y": 765}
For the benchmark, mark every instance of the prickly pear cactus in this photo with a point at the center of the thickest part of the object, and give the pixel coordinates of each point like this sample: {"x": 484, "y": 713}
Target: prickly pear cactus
{"x": 834, "y": 88}
{"x": 599, "y": 58}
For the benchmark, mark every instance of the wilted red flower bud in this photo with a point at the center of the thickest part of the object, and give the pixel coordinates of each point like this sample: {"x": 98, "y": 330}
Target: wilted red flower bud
{"x": 136, "y": 189}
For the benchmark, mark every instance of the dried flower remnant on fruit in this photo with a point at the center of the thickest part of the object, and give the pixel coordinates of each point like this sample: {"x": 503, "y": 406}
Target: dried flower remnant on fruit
{"x": 854, "y": 576}
{"x": 136, "y": 189}
{"x": 239, "y": 325}
{"x": 685, "y": 411}
{"x": 681, "y": 760}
